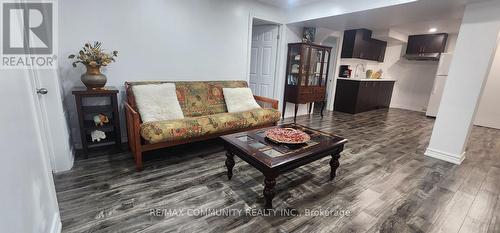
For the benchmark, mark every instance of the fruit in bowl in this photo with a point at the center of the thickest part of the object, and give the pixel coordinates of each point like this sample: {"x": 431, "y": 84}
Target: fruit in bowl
{"x": 287, "y": 136}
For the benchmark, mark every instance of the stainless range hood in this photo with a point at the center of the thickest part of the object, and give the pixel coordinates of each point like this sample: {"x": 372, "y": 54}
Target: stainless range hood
{"x": 423, "y": 56}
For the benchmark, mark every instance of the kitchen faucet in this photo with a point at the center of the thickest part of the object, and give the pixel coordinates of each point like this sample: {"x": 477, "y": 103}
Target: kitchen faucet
{"x": 356, "y": 69}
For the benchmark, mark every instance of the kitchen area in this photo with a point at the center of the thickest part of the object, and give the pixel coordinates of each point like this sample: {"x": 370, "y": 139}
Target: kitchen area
{"x": 384, "y": 60}
{"x": 382, "y": 69}
{"x": 367, "y": 76}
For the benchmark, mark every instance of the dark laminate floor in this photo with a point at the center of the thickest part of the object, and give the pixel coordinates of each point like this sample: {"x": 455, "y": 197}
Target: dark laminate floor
{"x": 384, "y": 182}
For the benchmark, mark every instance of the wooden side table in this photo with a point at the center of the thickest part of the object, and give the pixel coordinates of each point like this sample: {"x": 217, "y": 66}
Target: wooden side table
{"x": 86, "y": 113}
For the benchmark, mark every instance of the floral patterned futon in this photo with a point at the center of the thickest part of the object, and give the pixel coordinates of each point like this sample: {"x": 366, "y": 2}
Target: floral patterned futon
{"x": 161, "y": 131}
{"x": 205, "y": 113}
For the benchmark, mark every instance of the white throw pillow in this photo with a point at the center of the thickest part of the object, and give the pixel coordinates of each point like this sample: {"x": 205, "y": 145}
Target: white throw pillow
{"x": 239, "y": 99}
{"x": 157, "y": 102}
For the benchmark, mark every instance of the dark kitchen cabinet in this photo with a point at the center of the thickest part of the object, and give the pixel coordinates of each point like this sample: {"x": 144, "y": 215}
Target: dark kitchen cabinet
{"x": 353, "y": 96}
{"x": 430, "y": 43}
{"x": 358, "y": 43}
{"x": 384, "y": 94}
{"x": 379, "y": 50}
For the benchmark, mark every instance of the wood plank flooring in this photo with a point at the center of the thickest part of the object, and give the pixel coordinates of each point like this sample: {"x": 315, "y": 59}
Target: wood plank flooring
{"x": 384, "y": 184}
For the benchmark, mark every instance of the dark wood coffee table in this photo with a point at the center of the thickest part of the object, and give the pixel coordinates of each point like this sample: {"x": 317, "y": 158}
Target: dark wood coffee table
{"x": 273, "y": 159}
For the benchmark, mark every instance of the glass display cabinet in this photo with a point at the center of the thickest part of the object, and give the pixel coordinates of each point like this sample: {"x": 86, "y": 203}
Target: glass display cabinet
{"x": 306, "y": 75}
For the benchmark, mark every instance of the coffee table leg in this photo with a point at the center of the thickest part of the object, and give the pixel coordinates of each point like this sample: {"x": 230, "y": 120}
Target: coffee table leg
{"x": 269, "y": 191}
{"x": 229, "y": 164}
{"x": 334, "y": 164}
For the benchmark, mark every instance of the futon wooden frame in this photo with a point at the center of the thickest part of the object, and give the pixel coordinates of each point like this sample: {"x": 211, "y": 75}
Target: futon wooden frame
{"x": 138, "y": 145}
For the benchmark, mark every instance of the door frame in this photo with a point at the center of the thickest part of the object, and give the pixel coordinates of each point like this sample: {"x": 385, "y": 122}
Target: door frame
{"x": 279, "y": 49}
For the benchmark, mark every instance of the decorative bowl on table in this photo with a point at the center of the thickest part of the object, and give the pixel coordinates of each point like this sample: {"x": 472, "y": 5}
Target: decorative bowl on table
{"x": 287, "y": 136}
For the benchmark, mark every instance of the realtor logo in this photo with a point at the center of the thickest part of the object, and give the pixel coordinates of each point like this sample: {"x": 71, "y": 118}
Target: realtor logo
{"x": 28, "y": 35}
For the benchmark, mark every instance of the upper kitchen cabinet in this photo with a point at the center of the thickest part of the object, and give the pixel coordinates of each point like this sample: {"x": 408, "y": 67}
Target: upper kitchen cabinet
{"x": 426, "y": 47}
{"x": 358, "y": 43}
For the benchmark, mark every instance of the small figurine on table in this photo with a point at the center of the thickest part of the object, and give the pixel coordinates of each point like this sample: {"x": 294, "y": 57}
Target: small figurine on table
{"x": 97, "y": 135}
{"x": 101, "y": 119}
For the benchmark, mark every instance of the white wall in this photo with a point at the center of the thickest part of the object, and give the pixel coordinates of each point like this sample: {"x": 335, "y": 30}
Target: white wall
{"x": 415, "y": 79}
{"x": 160, "y": 40}
{"x": 177, "y": 40}
{"x": 469, "y": 70}
{"x": 488, "y": 113}
{"x": 27, "y": 197}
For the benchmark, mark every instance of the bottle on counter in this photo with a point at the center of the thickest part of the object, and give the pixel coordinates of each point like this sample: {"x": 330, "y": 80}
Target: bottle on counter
{"x": 378, "y": 74}
{"x": 369, "y": 74}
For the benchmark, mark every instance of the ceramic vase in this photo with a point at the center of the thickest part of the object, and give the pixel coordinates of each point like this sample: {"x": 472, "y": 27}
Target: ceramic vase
{"x": 93, "y": 78}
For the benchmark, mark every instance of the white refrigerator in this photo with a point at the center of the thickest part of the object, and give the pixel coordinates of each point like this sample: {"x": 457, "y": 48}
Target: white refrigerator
{"x": 439, "y": 82}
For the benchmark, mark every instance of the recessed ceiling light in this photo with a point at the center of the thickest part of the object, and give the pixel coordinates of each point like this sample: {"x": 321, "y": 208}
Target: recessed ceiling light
{"x": 433, "y": 30}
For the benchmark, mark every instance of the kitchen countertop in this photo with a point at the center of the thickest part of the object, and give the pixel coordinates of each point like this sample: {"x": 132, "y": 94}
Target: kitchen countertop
{"x": 367, "y": 80}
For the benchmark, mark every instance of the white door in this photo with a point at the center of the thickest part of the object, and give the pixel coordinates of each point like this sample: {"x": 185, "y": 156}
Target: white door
{"x": 30, "y": 199}
{"x": 263, "y": 59}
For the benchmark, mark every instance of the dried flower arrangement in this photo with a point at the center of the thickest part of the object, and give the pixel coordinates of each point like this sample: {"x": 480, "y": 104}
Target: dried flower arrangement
{"x": 93, "y": 55}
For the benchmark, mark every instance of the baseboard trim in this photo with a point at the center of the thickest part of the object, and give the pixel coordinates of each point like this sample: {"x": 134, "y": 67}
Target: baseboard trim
{"x": 56, "y": 226}
{"x": 456, "y": 159}
{"x": 411, "y": 108}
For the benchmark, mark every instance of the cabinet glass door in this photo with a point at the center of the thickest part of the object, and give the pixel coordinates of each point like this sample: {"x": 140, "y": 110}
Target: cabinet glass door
{"x": 315, "y": 67}
{"x": 324, "y": 72}
{"x": 294, "y": 65}
{"x": 304, "y": 65}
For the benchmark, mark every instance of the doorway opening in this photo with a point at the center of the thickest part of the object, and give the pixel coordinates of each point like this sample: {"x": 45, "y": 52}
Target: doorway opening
{"x": 264, "y": 50}
{"x": 331, "y": 41}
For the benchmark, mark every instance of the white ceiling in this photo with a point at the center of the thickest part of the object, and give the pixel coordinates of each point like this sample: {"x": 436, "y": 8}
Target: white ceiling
{"x": 288, "y": 3}
{"x": 448, "y": 26}
{"x": 411, "y": 18}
